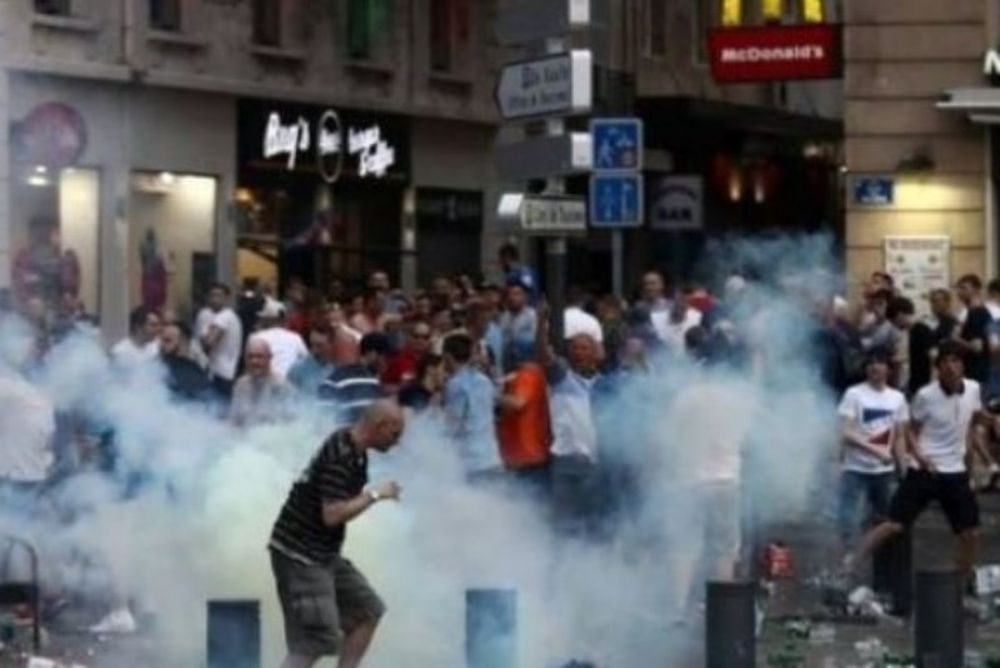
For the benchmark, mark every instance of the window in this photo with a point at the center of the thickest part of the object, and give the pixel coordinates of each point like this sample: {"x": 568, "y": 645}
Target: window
{"x": 165, "y": 15}
{"x": 267, "y": 22}
{"x": 656, "y": 28}
{"x": 368, "y": 25}
{"x": 54, "y": 7}
{"x": 58, "y": 217}
{"x": 449, "y": 33}
{"x": 813, "y": 11}
{"x": 732, "y": 13}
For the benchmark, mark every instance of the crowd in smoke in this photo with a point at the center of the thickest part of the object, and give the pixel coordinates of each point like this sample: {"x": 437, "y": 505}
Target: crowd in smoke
{"x": 603, "y": 471}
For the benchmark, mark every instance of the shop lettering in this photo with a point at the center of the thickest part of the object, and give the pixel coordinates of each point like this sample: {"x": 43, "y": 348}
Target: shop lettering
{"x": 991, "y": 63}
{"x": 290, "y": 139}
{"x": 375, "y": 156}
{"x": 755, "y": 54}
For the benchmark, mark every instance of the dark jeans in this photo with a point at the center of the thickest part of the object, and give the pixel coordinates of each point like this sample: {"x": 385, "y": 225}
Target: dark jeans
{"x": 532, "y": 484}
{"x": 576, "y": 497}
{"x": 858, "y": 490}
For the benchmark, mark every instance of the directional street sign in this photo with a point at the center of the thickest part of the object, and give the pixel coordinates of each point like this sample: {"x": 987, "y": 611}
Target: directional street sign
{"x": 544, "y": 214}
{"x": 557, "y": 85}
{"x": 542, "y": 157}
{"x": 537, "y": 19}
{"x": 617, "y": 143}
{"x": 616, "y": 200}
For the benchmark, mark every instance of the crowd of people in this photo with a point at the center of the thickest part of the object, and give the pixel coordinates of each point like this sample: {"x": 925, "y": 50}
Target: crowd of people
{"x": 520, "y": 392}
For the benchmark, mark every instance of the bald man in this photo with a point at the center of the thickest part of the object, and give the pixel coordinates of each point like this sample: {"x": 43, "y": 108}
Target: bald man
{"x": 259, "y": 396}
{"x": 328, "y": 605}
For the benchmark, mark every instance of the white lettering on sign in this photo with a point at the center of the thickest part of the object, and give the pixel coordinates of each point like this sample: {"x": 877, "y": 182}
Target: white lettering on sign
{"x": 290, "y": 139}
{"x": 792, "y": 54}
{"x": 991, "y": 63}
{"x": 375, "y": 156}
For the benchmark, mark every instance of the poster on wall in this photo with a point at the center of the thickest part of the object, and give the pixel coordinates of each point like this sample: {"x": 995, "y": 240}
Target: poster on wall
{"x": 919, "y": 264}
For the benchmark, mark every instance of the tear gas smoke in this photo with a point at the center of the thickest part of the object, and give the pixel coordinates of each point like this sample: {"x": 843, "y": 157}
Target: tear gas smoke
{"x": 196, "y": 518}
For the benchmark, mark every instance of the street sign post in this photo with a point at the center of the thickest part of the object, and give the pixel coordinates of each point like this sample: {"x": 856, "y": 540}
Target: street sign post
{"x": 616, "y": 200}
{"x": 537, "y": 19}
{"x": 617, "y": 144}
{"x": 544, "y": 157}
{"x": 556, "y": 85}
{"x": 545, "y": 214}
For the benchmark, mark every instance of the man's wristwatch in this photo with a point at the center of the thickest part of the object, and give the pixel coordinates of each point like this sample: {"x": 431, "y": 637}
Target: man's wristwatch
{"x": 373, "y": 495}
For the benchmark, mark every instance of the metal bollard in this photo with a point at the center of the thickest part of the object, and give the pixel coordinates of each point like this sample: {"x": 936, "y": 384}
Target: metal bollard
{"x": 490, "y": 628}
{"x": 938, "y": 630}
{"x": 730, "y": 625}
{"x": 233, "y": 634}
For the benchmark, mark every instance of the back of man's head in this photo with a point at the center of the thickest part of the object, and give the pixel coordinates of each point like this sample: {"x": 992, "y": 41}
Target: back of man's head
{"x": 459, "y": 348}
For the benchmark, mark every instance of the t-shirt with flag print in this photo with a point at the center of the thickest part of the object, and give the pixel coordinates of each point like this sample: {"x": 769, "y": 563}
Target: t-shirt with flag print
{"x": 878, "y": 415}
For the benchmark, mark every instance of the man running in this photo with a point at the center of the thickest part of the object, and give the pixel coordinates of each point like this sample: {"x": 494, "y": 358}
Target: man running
{"x": 943, "y": 421}
{"x": 322, "y": 594}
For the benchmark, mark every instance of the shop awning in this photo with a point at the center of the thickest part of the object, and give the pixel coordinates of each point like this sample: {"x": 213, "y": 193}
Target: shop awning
{"x": 982, "y": 105}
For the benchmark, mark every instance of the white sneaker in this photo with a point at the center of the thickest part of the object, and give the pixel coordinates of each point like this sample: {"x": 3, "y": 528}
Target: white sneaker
{"x": 117, "y": 621}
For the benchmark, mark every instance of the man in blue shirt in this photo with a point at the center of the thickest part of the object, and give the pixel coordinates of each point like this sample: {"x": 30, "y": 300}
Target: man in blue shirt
{"x": 309, "y": 373}
{"x": 516, "y": 273}
{"x": 469, "y": 405}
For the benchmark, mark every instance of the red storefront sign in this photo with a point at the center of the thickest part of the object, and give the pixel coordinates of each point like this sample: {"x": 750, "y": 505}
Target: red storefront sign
{"x": 775, "y": 53}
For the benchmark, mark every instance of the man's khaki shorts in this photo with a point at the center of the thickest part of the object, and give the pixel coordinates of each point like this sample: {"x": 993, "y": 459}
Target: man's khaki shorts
{"x": 322, "y": 602}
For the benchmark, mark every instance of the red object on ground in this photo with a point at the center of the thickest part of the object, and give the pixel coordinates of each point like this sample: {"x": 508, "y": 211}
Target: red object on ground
{"x": 779, "y": 564}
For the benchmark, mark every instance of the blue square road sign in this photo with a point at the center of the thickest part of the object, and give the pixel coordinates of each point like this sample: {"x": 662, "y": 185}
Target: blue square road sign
{"x": 617, "y": 144}
{"x": 616, "y": 200}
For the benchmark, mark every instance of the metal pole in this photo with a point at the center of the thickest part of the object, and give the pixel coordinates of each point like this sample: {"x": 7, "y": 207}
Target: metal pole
{"x": 490, "y": 628}
{"x": 938, "y": 632}
{"x": 730, "y": 638}
{"x": 617, "y": 263}
{"x": 555, "y": 249}
{"x": 233, "y": 634}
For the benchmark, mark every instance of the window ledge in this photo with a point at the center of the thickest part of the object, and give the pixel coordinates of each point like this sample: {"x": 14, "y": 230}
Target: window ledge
{"x": 178, "y": 39}
{"x": 371, "y": 68}
{"x": 278, "y": 53}
{"x": 450, "y": 80}
{"x": 75, "y": 24}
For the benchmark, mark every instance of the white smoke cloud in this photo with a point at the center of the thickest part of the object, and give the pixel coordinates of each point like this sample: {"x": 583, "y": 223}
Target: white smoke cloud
{"x": 198, "y": 527}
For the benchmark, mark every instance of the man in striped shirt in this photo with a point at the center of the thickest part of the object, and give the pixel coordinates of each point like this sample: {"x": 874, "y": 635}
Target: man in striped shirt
{"x": 328, "y": 606}
{"x": 354, "y": 387}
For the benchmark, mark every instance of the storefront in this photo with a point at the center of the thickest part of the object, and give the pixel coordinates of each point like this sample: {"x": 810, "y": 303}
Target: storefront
{"x": 321, "y": 194}
{"x": 126, "y": 187}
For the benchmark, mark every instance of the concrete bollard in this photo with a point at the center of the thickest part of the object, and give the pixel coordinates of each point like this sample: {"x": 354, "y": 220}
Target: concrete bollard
{"x": 490, "y": 628}
{"x": 233, "y": 634}
{"x": 938, "y": 631}
{"x": 730, "y": 625}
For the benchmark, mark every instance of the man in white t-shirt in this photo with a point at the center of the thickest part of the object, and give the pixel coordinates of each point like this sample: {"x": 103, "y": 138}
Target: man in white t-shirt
{"x": 672, "y": 326}
{"x": 944, "y": 417}
{"x": 287, "y": 347}
{"x": 143, "y": 341}
{"x": 873, "y": 425}
{"x": 222, "y": 341}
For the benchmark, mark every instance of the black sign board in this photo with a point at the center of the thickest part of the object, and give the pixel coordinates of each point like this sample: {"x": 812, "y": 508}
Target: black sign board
{"x": 329, "y": 143}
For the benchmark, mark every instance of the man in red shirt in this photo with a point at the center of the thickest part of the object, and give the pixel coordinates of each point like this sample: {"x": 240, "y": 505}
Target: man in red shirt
{"x": 403, "y": 365}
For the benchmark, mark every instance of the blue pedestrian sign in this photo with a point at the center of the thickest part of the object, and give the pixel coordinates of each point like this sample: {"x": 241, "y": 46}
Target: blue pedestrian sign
{"x": 617, "y": 144}
{"x": 874, "y": 191}
{"x": 616, "y": 200}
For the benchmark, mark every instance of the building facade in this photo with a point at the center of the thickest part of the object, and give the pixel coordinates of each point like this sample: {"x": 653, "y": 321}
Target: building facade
{"x": 173, "y": 142}
{"x": 920, "y": 192}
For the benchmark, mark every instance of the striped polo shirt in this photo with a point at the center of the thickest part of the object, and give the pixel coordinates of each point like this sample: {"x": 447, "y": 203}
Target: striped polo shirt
{"x": 336, "y": 473}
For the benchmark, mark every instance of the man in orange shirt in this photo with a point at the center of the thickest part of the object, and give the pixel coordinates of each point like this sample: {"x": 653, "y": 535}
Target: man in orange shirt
{"x": 525, "y": 432}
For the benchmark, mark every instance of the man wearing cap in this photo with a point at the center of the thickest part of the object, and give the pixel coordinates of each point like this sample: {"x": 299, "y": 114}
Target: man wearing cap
{"x": 355, "y": 385}
{"x": 873, "y": 424}
{"x": 944, "y": 420}
{"x": 287, "y": 347}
